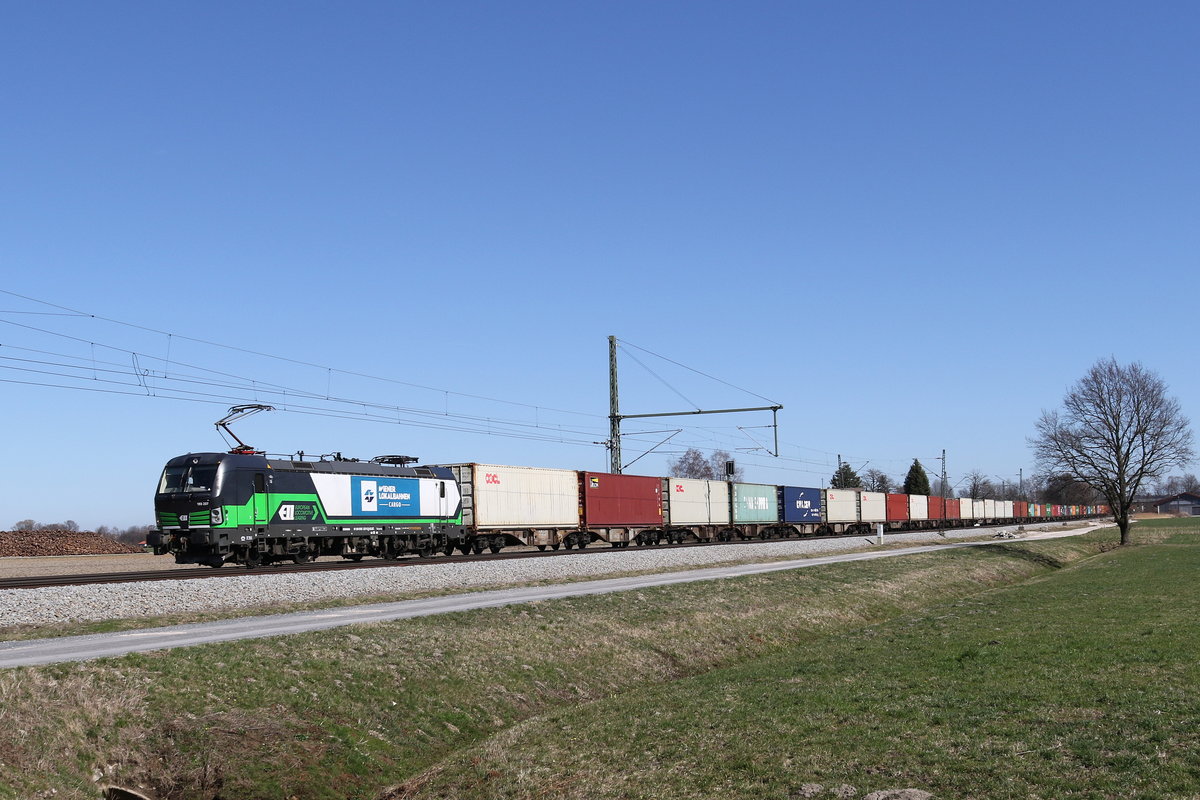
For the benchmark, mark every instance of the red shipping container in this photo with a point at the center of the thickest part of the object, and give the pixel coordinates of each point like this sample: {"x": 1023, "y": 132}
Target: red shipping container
{"x": 1020, "y": 509}
{"x": 897, "y": 508}
{"x": 620, "y": 500}
{"x": 953, "y": 509}
{"x": 937, "y": 508}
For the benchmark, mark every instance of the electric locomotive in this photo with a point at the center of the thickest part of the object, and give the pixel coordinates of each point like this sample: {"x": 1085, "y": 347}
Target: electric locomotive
{"x": 241, "y": 507}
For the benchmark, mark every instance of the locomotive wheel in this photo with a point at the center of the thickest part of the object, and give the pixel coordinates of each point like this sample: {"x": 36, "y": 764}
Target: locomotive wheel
{"x": 448, "y": 549}
{"x": 301, "y": 558}
{"x": 253, "y": 558}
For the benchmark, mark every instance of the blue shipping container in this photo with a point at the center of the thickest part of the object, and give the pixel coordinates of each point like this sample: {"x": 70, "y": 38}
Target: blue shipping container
{"x": 800, "y": 505}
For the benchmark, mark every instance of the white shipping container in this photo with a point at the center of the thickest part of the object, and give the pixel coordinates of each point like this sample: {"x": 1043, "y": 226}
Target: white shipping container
{"x": 980, "y": 509}
{"x": 496, "y": 496}
{"x": 841, "y": 505}
{"x": 989, "y": 509}
{"x": 918, "y": 506}
{"x": 1005, "y": 509}
{"x": 697, "y": 502}
{"x": 873, "y": 507}
{"x": 966, "y": 508}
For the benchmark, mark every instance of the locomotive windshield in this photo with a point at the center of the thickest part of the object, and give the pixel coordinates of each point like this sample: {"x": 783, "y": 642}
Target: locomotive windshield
{"x": 188, "y": 478}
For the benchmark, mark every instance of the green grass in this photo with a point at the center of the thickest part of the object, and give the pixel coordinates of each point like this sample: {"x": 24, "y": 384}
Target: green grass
{"x": 1084, "y": 683}
{"x": 747, "y": 687}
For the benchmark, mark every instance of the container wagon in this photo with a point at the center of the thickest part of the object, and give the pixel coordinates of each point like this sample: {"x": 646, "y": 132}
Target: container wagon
{"x": 621, "y": 509}
{"x": 533, "y": 506}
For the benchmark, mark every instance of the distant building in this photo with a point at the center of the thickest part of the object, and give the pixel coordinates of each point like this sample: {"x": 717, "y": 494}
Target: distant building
{"x": 1185, "y": 504}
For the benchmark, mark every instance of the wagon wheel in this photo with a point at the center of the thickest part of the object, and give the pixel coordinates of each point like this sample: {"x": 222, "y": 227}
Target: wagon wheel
{"x": 353, "y": 557}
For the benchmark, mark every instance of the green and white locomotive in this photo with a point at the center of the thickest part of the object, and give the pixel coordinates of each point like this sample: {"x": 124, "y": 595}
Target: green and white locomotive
{"x": 245, "y": 508}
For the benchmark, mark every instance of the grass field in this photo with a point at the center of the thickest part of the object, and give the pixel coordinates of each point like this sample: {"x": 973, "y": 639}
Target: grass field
{"x": 1048, "y": 669}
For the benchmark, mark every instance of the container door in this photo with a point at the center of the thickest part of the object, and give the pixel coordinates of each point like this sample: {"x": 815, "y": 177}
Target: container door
{"x": 259, "y": 501}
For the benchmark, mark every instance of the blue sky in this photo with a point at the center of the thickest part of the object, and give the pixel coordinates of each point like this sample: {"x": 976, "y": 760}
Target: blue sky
{"x": 912, "y": 224}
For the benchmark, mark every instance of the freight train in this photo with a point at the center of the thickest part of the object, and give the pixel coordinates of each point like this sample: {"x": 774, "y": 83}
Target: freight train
{"x": 245, "y": 508}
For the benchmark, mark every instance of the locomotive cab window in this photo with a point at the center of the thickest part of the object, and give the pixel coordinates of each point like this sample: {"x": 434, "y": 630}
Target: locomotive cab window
{"x": 188, "y": 478}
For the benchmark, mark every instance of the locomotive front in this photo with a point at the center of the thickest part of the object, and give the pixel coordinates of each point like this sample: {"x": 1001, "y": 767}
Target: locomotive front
{"x": 190, "y": 507}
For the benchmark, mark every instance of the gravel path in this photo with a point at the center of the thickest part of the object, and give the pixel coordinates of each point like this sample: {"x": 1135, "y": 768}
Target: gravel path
{"x": 120, "y": 601}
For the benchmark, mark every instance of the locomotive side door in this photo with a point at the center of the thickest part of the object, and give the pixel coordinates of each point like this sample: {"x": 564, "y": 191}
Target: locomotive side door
{"x": 443, "y": 503}
{"x": 259, "y": 501}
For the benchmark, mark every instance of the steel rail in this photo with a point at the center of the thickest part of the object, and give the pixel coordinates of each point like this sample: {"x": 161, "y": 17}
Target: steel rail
{"x": 48, "y": 581}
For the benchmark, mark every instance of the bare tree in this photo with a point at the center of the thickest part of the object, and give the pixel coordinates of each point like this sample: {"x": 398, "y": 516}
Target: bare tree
{"x": 26, "y": 525}
{"x": 1067, "y": 490}
{"x": 876, "y": 480}
{"x": 693, "y": 464}
{"x": 70, "y": 525}
{"x": 978, "y": 486}
{"x": 718, "y": 459}
{"x": 1117, "y": 431}
{"x": 1178, "y": 484}
{"x": 940, "y": 490}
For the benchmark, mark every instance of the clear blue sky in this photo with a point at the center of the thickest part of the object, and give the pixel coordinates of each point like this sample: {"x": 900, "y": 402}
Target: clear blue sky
{"x": 912, "y": 224}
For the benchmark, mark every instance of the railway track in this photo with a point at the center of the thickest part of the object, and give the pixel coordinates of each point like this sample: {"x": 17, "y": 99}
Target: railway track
{"x": 145, "y": 576}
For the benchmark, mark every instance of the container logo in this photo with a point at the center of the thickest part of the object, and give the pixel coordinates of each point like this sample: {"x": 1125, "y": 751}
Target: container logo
{"x": 492, "y": 478}
{"x": 679, "y": 488}
{"x": 595, "y": 483}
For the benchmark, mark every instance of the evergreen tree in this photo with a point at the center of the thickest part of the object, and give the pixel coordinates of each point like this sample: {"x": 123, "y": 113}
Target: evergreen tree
{"x": 845, "y": 478}
{"x": 916, "y": 482}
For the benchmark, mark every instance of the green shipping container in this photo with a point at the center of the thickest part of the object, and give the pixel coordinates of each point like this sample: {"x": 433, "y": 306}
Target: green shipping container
{"x": 755, "y": 502}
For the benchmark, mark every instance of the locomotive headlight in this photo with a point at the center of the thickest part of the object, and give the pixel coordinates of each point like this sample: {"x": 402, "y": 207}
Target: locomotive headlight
{"x": 218, "y": 516}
